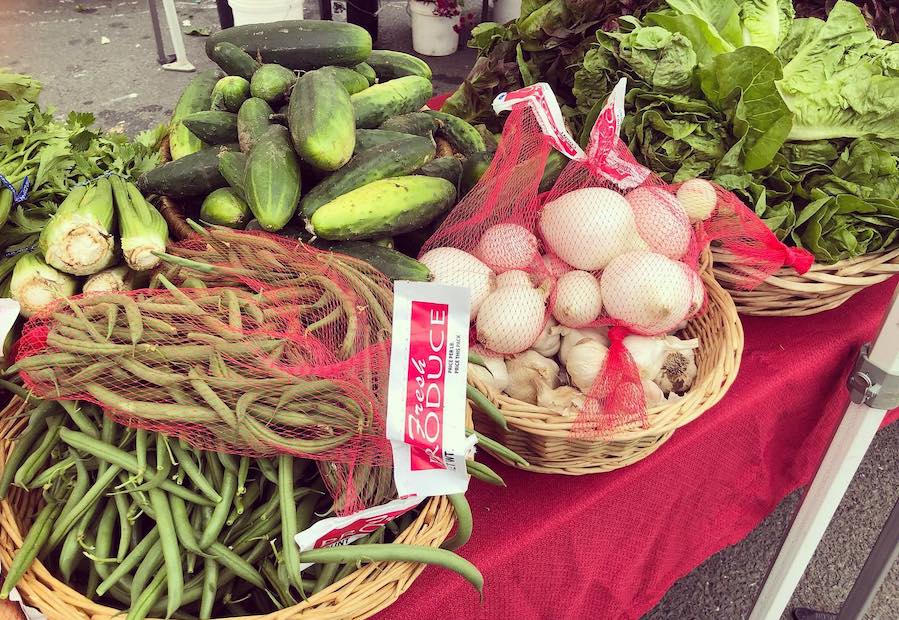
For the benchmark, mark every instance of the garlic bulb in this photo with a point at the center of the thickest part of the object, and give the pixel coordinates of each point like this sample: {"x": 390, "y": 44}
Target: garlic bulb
{"x": 527, "y": 372}
{"x": 652, "y": 393}
{"x": 584, "y": 361}
{"x": 549, "y": 341}
{"x": 482, "y": 375}
{"x": 564, "y": 399}
{"x": 678, "y": 371}
{"x": 571, "y": 336}
{"x": 493, "y": 373}
{"x": 649, "y": 352}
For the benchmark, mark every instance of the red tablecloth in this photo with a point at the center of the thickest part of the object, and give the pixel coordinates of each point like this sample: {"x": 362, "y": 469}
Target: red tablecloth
{"x": 608, "y": 546}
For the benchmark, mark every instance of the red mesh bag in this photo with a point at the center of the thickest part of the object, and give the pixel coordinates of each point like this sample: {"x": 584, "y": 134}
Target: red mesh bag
{"x": 609, "y": 258}
{"x": 258, "y": 345}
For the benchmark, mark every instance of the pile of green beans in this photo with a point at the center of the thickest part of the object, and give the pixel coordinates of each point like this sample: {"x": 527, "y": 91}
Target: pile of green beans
{"x": 148, "y": 523}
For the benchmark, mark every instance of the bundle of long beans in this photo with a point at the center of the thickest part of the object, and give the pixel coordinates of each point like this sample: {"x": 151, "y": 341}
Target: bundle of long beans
{"x": 155, "y": 525}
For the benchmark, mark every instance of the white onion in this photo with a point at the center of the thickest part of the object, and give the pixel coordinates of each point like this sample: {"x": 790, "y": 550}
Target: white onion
{"x": 507, "y": 246}
{"x": 513, "y": 277}
{"x": 698, "y": 198}
{"x": 457, "y": 268}
{"x": 648, "y": 292}
{"x": 578, "y": 301}
{"x": 510, "y": 319}
{"x": 661, "y": 220}
{"x": 589, "y": 227}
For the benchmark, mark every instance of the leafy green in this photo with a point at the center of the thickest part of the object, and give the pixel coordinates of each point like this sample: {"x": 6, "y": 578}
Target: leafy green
{"x": 766, "y": 23}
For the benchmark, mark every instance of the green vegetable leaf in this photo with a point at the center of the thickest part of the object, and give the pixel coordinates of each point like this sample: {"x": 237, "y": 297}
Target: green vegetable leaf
{"x": 13, "y": 113}
{"x": 766, "y": 23}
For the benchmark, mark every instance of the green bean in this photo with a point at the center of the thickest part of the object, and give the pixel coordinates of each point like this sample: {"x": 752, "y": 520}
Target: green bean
{"x": 140, "y": 452}
{"x": 86, "y": 323}
{"x": 302, "y": 446}
{"x": 463, "y": 521}
{"x": 484, "y": 473}
{"x": 268, "y": 470}
{"x": 152, "y": 562}
{"x": 126, "y": 461}
{"x": 69, "y": 555}
{"x": 107, "y": 436}
{"x": 125, "y": 527}
{"x": 47, "y": 476}
{"x": 215, "y": 470}
{"x": 325, "y": 577}
{"x": 103, "y": 541}
{"x": 483, "y": 403}
{"x": 33, "y": 542}
{"x": 135, "y": 321}
{"x": 220, "y": 512}
{"x": 24, "y": 442}
{"x": 163, "y": 466}
{"x": 93, "y": 578}
{"x": 193, "y": 472}
{"x": 18, "y": 390}
{"x": 304, "y": 512}
{"x": 91, "y": 372}
{"x": 32, "y": 464}
{"x": 235, "y": 319}
{"x": 171, "y": 552}
{"x": 212, "y": 399}
{"x": 241, "y": 567}
{"x": 243, "y": 470}
{"x": 146, "y": 409}
{"x": 396, "y": 552}
{"x": 84, "y": 424}
{"x": 289, "y": 549}
{"x": 499, "y": 449}
{"x": 75, "y": 512}
{"x": 210, "y": 587}
{"x": 474, "y": 358}
{"x": 112, "y": 315}
{"x": 227, "y": 462}
{"x": 44, "y": 360}
{"x": 151, "y": 375}
{"x": 147, "y": 597}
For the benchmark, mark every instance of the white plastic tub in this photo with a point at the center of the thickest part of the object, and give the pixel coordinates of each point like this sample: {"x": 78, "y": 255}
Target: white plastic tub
{"x": 264, "y": 11}
{"x": 432, "y": 35}
{"x": 506, "y": 10}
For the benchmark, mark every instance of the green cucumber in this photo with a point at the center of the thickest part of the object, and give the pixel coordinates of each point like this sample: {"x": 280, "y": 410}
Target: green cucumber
{"x": 298, "y": 43}
{"x": 272, "y": 179}
{"x": 473, "y": 169}
{"x": 461, "y": 135}
{"x": 389, "y": 65}
{"x": 555, "y": 163}
{"x": 364, "y": 69}
{"x": 321, "y": 121}
{"x": 271, "y": 83}
{"x": 376, "y": 104}
{"x": 233, "y": 165}
{"x": 213, "y": 127}
{"x": 395, "y": 265}
{"x": 229, "y": 93}
{"x": 449, "y": 168}
{"x": 385, "y": 207}
{"x": 196, "y": 97}
{"x": 232, "y": 59}
{"x": 252, "y": 122}
{"x": 379, "y": 162}
{"x": 416, "y": 123}
{"x": 353, "y": 82}
{"x": 368, "y": 138}
{"x": 196, "y": 174}
{"x": 225, "y": 208}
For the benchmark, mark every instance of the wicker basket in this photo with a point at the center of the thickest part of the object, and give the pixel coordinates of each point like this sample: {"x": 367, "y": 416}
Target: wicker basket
{"x": 360, "y": 595}
{"x": 543, "y": 436}
{"x": 823, "y": 287}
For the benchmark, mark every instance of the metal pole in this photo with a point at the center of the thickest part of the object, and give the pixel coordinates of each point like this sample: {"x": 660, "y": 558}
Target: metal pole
{"x": 875, "y": 389}
{"x": 171, "y": 17}
{"x": 161, "y": 56}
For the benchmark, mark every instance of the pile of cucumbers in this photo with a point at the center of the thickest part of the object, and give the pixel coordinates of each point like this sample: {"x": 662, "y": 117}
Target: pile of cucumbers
{"x": 314, "y": 134}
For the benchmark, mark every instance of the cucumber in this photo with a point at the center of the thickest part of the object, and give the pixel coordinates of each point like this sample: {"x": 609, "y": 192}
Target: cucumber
{"x": 364, "y": 69}
{"x": 411, "y": 242}
{"x": 272, "y": 179}
{"x": 353, "y": 82}
{"x": 379, "y": 162}
{"x": 196, "y": 174}
{"x": 229, "y": 93}
{"x": 213, "y": 127}
{"x": 389, "y": 65}
{"x": 368, "y": 138}
{"x": 271, "y": 83}
{"x": 395, "y": 265}
{"x": 385, "y": 207}
{"x": 449, "y": 168}
{"x": 299, "y": 44}
{"x": 233, "y": 165}
{"x": 376, "y": 104}
{"x": 232, "y": 59}
{"x": 416, "y": 123}
{"x": 252, "y": 122}
{"x": 321, "y": 121}
{"x": 555, "y": 163}
{"x": 225, "y": 208}
{"x": 195, "y": 98}
{"x": 463, "y": 137}
{"x": 473, "y": 169}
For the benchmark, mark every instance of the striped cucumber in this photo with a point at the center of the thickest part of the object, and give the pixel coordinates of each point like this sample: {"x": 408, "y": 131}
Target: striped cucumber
{"x": 389, "y": 65}
{"x": 213, "y": 126}
{"x": 272, "y": 179}
{"x": 195, "y": 98}
{"x": 376, "y": 104}
{"x": 252, "y": 122}
{"x": 321, "y": 121}
{"x": 417, "y": 123}
{"x": 463, "y": 137}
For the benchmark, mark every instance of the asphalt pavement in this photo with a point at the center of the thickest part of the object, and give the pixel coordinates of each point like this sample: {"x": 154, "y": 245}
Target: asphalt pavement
{"x": 101, "y": 57}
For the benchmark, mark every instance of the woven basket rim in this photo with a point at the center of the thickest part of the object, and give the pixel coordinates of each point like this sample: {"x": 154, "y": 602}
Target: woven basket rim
{"x": 663, "y": 419}
{"x": 823, "y": 287}
{"x": 360, "y": 595}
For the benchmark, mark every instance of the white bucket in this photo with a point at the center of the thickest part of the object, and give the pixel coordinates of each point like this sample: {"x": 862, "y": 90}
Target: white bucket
{"x": 432, "y": 35}
{"x": 506, "y": 10}
{"x": 264, "y": 11}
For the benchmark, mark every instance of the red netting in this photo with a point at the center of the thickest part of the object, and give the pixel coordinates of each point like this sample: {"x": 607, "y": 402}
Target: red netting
{"x": 609, "y": 245}
{"x": 260, "y": 345}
